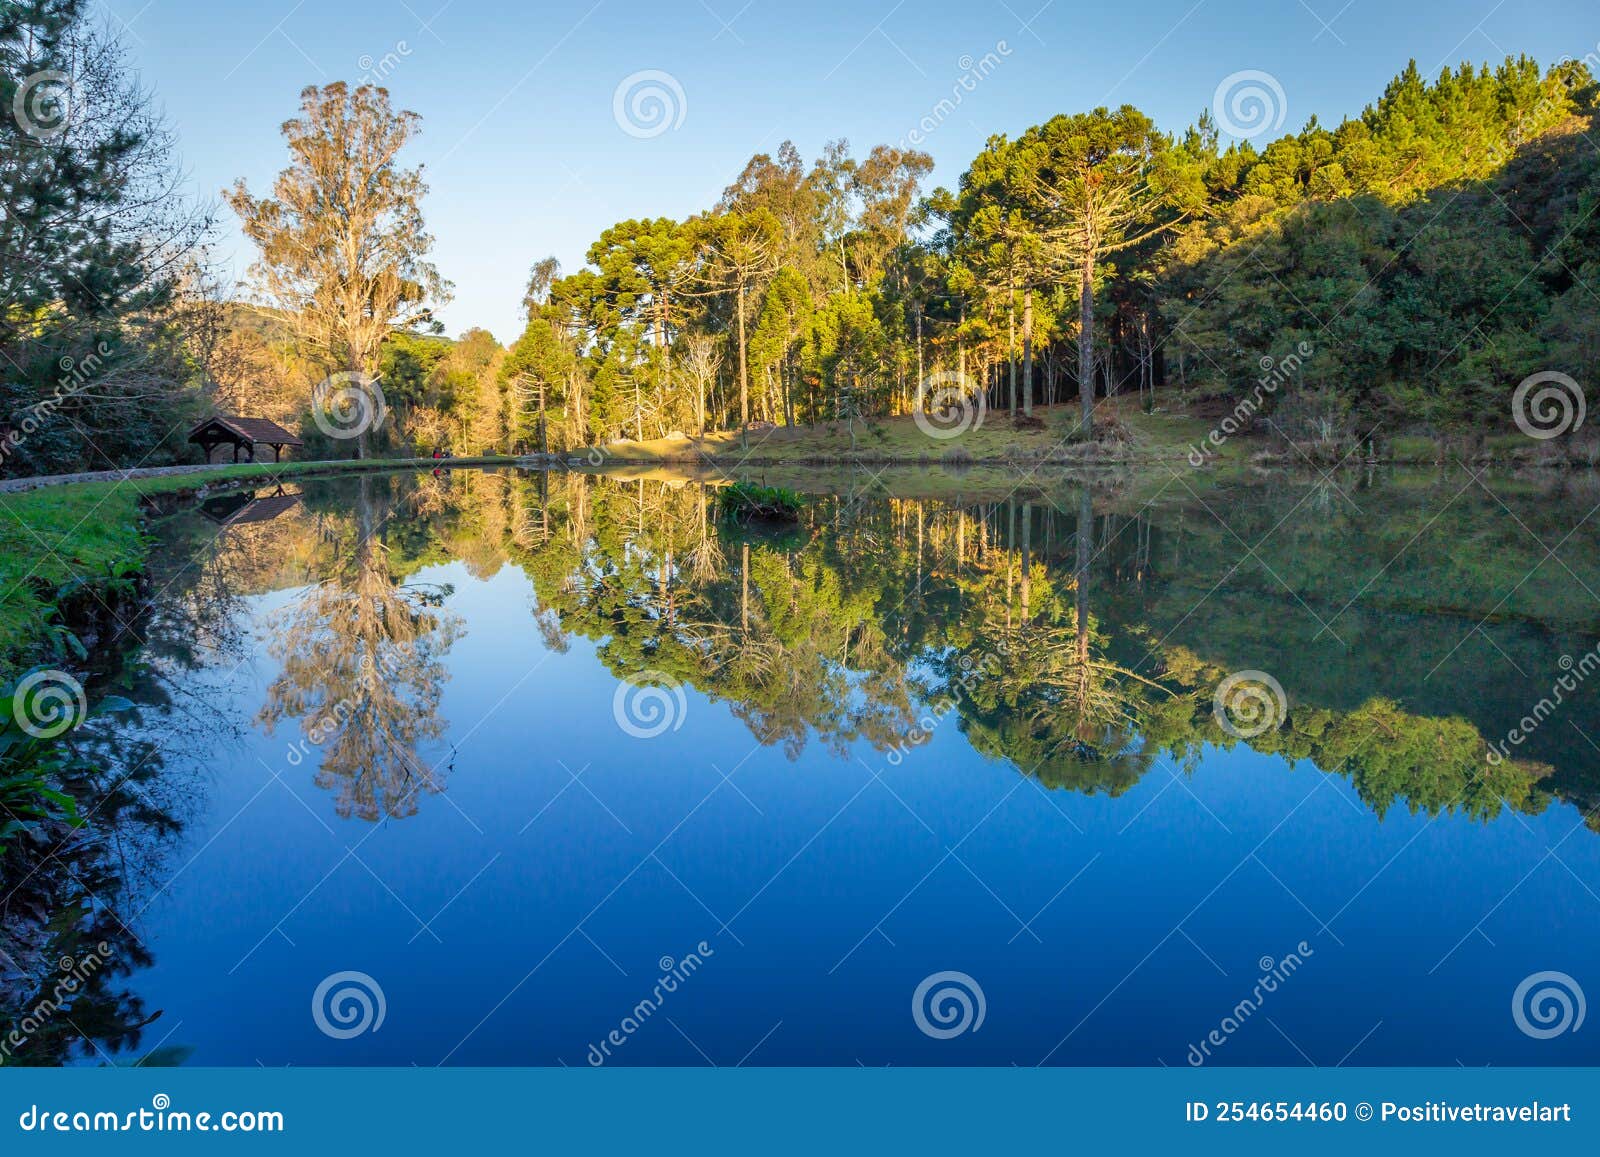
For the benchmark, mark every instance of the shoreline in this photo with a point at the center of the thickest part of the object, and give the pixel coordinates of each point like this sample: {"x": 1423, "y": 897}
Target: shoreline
{"x": 84, "y": 534}
{"x": 237, "y": 472}
{"x": 87, "y": 533}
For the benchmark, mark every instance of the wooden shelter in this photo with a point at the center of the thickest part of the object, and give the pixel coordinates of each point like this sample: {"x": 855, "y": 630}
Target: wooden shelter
{"x": 242, "y": 434}
{"x": 240, "y": 508}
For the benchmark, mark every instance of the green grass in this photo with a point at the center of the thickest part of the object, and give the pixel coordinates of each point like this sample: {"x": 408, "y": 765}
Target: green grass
{"x": 748, "y": 501}
{"x": 90, "y": 531}
{"x": 992, "y": 462}
{"x": 1506, "y": 444}
{"x": 1409, "y": 448}
{"x": 48, "y": 539}
{"x": 899, "y": 440}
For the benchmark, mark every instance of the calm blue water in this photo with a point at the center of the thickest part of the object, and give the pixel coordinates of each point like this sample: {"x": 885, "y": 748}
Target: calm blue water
{"x": 522, "y": 912}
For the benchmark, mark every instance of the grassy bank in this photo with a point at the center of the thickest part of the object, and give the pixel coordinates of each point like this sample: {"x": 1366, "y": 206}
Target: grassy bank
{"x": 1127, "y": 435}
{"x": 1127, "y": 438}
{"x": 56, "y": 539}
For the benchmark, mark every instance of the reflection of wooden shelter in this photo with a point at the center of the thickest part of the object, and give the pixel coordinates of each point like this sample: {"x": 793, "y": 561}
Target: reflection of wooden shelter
{"x": 247, "y": 506}
{"x": 242, "y": 434}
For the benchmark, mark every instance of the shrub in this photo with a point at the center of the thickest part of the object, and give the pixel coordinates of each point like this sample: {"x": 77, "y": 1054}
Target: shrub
{"x": 748, "y": 502}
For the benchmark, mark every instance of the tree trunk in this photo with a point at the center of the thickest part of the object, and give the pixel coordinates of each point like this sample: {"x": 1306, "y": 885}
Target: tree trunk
{"x": 744, "y": 377}
{"x": 1027, "y": 561}
{"x": 1027, "y": 352}
{"x": 921, "y": 376}
{"x": 662, "y": 340}
{"x": 576, "y": 390}
{"x": 1086, "y": 346}
{"x": 961, "y": 347}
{"x": 1011, "y": 352}
{"x": 1080, "y": 595}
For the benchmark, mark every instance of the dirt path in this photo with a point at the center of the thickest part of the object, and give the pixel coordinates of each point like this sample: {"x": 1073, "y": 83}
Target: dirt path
{"x": 18, "y": 485}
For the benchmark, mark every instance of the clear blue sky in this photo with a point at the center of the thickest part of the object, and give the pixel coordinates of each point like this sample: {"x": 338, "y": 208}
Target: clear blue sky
{"x": 525, "y": 157}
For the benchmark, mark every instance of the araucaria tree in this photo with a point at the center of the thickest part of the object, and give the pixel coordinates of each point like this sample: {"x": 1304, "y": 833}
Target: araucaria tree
{"x": 1094, "y": 185}
{"x": 1433, "y": 249}
{"x": 343, "y": 250}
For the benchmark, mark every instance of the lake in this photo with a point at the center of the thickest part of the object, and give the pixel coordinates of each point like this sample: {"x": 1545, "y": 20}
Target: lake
{"x": 493, "y": 768}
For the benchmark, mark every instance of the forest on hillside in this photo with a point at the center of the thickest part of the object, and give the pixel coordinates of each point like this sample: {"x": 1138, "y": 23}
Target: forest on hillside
{"x": 1404, "y": 269}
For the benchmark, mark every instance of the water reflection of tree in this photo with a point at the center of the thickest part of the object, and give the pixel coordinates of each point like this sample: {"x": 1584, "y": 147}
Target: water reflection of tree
{"x": 1053, "y": 701}
{"x": 847, "y": 631}
{"x": 764, "y": 622}
{"x": 71, "y": 898}
{"x": 363, "y": 671}
{"x": 851, "y": 630}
